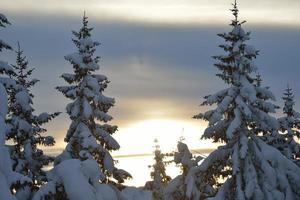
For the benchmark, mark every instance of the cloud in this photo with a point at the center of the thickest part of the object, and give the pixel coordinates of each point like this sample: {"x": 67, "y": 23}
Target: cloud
{"x": 162, "y": 11}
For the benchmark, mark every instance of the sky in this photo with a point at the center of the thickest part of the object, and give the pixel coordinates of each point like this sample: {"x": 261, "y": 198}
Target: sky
{"x": 157, "y": 55}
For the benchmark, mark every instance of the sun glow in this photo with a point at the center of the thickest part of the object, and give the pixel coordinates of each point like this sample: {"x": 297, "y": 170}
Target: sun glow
{"x": 139, "y": 137}
{"x": 137, "y": 141}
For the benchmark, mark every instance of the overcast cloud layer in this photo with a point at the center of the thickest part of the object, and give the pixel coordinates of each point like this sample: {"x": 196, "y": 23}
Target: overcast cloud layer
{"x": 157, "y": 70}
{"x": 163, "y": 11}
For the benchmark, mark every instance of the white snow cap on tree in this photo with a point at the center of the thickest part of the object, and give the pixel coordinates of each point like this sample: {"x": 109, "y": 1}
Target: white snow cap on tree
{"x": 3, "y": 45}
{"x": 160, "y": 179}
{"x": 87, "y": 138}
{"x": 183, "y": 186}
{"x": 250, "y": 168}
{"x": 289, "y": 128}
{"x": 290, "y": 123}
{"x": 24, "y": 128}
{"x": 77, "y": 180}
{"x": 8, "y": 178}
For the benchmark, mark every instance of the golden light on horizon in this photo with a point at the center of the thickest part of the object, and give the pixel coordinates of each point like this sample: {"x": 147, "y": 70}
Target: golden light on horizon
{"x": 137, "y": 144}
{"x": 139, "y": 137}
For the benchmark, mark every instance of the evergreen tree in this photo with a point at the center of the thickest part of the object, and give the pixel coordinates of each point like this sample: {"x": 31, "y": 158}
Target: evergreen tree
{"x": 290, "y": 129}
{"x": 258, "y": 80}
{"x": 86, "y": 137}
{"x": 245, "y": 167}
{"x": 3, "y": 45}
{"x": 10, "y": 181}
{"x": 73, "y": 179}
{"x": 5, "y": 68}
{"x": 160, "y": 179}
{"x": 178, "y": 187}
{"x": 25, "y": 128}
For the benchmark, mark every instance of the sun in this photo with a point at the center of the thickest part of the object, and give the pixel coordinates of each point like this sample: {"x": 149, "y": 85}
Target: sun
{"x": 137, "y": 144}
{"x": 138, "y": 138}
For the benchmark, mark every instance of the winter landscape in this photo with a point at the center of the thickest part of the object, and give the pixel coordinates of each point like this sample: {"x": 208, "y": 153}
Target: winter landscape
{"x": 159, "y": 100}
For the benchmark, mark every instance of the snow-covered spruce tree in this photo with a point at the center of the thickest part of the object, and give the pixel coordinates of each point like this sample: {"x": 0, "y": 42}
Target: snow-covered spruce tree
{"x": 258, "y": 80}
{"x": 3, "y": 45}
{"x": 86, "y": 137}
{"x": 73, "y": 179}
{"x": 25, "y": 128}
{"x": 160, "y": 179}
{"x": 245, "y": 167}
{"x": 9, "y": 180}
{"x": 290, "y": 129}
{"x": 5, "y": 68}
{"x": 177, "y": 188}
